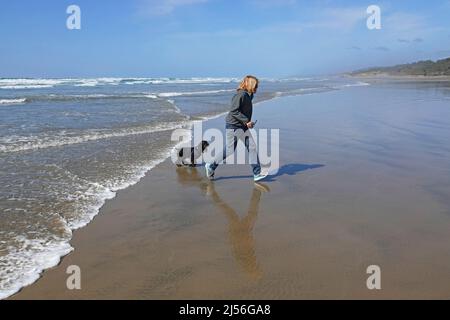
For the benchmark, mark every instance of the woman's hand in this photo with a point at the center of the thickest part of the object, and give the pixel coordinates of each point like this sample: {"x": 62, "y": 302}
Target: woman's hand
{"x": 250, "y": 125}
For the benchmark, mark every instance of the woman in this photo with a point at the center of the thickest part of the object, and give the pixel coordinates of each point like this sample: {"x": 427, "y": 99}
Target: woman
{"x": 238, "y": 121}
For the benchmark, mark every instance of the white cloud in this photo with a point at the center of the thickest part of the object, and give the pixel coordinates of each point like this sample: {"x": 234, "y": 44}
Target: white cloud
{"x": 164, "y": 7}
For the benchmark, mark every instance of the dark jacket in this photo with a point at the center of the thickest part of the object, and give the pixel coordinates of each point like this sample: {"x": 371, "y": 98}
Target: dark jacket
{"x": 241, "y": 110}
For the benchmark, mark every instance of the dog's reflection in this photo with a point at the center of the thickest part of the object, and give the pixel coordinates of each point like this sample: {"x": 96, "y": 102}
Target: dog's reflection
{"x": 189, "y": 176}
{"x": 240, "y": 230}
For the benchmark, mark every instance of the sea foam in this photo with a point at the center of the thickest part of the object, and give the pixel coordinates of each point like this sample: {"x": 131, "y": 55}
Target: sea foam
{"x": 12, "y": 101}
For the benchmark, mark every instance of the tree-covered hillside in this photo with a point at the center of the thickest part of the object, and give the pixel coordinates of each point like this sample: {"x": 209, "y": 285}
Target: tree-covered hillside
{"x": 421, "y": 68}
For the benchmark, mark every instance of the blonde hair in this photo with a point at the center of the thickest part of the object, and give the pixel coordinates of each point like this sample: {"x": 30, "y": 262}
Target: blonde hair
{"x": 249, "y": 84}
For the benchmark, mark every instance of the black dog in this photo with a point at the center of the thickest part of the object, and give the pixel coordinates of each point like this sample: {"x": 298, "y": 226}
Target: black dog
{"x": 192, "y": 154}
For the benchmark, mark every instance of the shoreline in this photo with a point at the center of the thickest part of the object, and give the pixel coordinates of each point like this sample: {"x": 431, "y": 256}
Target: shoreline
{"x": 165, "y": 162}
{"x": 173, "y": 235}
{"x": 388, "y": 77}
{"x": 58, "y": 258}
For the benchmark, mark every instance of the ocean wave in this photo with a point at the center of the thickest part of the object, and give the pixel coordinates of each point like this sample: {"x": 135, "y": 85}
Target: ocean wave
{"x": 25, "y": 143}
{"x": 42, "y": 83}
{"x": 191, "y": 93}
{"x": 97, "y": 82}
{"x": 32, "y": 257}
{"x": 133, "y": 81}
{"x": 17, "y": 84}
{"x": 358, "y": 84}
{"x": 36, "y": 86}
{"x": 31, "y": 83}
{"x": 80, "y": 97}
{"x": 303, "y": 91}
{"x": 92, "y": 83}
{"x": 77, "y": 97}
{"x": 24, "y": 263}
{"x": 14, "y": 84}
{"x": 12, "y": 101}
{"x": 293, "y": 79}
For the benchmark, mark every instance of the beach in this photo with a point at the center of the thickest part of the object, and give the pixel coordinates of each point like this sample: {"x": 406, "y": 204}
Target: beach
{"x": 363, "y": 180}
{"x": 69, "y": 145}
{"x": 385, "y": 77}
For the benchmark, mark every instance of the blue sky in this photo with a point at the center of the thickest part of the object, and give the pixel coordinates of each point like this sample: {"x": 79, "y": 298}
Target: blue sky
{"x": 185, "y": 38}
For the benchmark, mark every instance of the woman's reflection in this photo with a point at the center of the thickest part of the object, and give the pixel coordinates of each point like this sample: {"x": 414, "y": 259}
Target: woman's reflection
{"x": 240, "y": 230}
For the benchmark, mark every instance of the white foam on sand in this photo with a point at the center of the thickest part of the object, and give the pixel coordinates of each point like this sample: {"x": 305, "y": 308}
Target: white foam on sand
{"x": 33, "y": 257}
{"x": 30, "y": 259}
{"x": 23, "y": 265}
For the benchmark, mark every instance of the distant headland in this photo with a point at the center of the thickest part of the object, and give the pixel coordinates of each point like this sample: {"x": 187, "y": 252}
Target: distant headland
{"x": 428, "y": 68}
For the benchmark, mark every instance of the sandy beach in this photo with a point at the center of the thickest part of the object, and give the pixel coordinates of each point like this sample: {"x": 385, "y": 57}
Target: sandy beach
{"x": 363, "y": 181}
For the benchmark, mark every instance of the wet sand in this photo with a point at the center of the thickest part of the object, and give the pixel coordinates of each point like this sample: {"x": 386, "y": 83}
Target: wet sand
{"x": 364, "y": 180}
{"x": 384, "y": 77}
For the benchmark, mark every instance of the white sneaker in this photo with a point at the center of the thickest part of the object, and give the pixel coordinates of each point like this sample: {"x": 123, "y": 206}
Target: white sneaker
{"x": 209, "y": 172}
{"x": 260, "y": 177}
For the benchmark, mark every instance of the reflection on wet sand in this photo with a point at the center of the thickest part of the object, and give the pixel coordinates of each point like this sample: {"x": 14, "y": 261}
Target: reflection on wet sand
{"x": 240, "y": 230}
{"x": 189, "y": 176}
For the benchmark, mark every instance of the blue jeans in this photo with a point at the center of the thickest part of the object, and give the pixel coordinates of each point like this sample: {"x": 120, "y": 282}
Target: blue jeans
{"x": 232, "y": 138}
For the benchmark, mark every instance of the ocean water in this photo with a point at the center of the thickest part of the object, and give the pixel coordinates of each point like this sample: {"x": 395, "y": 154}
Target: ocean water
{"x": 68, "y": 145}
